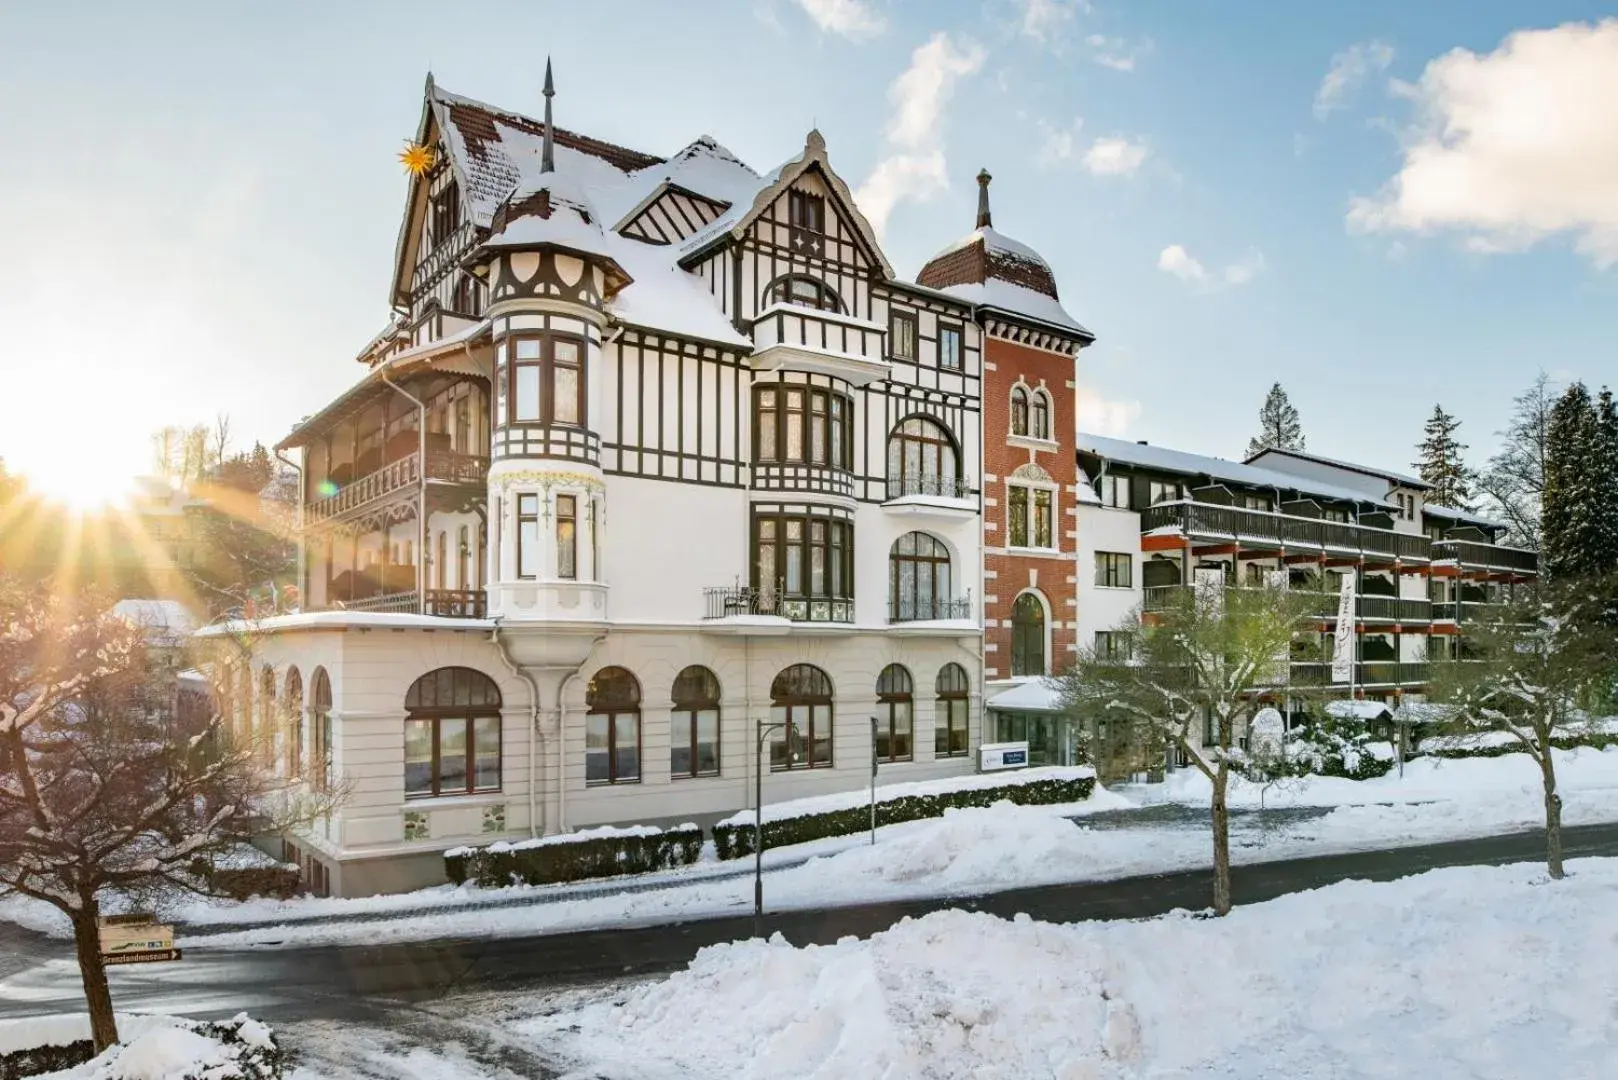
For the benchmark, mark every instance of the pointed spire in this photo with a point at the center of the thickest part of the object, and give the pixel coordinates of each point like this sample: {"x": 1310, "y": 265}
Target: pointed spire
{"x": 547, "y": 160}
{"x": 984, "y": 221}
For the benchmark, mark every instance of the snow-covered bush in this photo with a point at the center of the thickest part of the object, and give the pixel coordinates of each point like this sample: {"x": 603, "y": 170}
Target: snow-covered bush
{"x": 734, "y": 838}
{"x": 237, "y": 1049}
{"x": 1337, "y": 745}
{"x": 593, "y": 853}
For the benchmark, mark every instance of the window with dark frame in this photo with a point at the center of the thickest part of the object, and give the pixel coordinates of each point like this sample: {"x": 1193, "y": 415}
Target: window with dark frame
{"x": 527, "y": 536}
{"x": 694, "y": 726}
{"x": 612, "y": 728}
{"x": 547, "y": 378}
{"x": 802, "y": 425}
{"x": 801, "y": 290}
{"x": 1114, "y": 570}
{"x": 452, "y": 734}
{"x": 567, "y": 537}
{"x": 1042, "y": 518}
{"x": 922, "y": 459}
{"x": 902, "y": 335}
{"x": 1112, "y": 645}
{"x": 919, "y": 584}
{"x": 895, "y": 714}
{"x": 806, "y": 216}
{"x": 949, "y": 347}
{"x": 1029, "y": 516}
{"x": 1028, "y": 636}
{"x": 1016, "y": 516}
{"x": 1040, "y": 424}
{"x": 320, "y": 730}
{"x": 1162, "y": 491}
{"x": 801, "y": 706}
{"x": 1113, "y": 490}
{"x": 1019, "y": 411}
{"x": 293, "y": 703}
{"x": 446, "y": 216}
{"x": 950, "y": 712}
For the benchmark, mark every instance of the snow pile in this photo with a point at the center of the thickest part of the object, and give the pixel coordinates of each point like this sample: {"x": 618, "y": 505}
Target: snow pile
{"x": 1487, "y": 973}
{"x": 60, "y": 1030}
{"x": 169, "y": 1048}
{"x": 845, "y": 800}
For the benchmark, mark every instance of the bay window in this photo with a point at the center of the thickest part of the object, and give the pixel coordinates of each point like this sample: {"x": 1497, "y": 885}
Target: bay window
{"x": 546, "y": 376}
{"x": 805, "y": 556}
{"x": 528, "y": 536}
{"x": 804, "y": 425}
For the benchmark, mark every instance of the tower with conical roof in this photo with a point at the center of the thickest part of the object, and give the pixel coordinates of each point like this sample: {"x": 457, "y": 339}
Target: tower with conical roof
{"x": 1030, "y": 472}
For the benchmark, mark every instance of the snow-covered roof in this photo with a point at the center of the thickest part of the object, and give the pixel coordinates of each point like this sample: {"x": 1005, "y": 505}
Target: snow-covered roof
{"x": 1403, "y": 479}
{"x": 1037, "y": 694}
{"x": 1087, "y": 491}
{"x": 162, "y": 622}
{"x": 661, "y": 296}
{"x": 1464, "y": 517}
{"x": 704, "y": 167}
{"x": 1004, "y": 296}
{"x": 553, "y": 209}
{"x": 1187, "y": 464}
{"x": 1358, "y": 709}
{"x": 351, "y": 620}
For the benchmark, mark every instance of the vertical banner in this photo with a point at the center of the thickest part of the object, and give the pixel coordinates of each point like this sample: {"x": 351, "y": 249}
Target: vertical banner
{"x": 1210, "y": 591}
{"x": 1342, "y": 655}
{"x": 1276, "y": 579}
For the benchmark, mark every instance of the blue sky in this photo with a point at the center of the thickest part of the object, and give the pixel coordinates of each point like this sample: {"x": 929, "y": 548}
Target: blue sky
{"x": 200, "y": 200}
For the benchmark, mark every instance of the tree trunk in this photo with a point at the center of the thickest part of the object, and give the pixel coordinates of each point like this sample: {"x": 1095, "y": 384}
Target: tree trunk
{"x": 1553, "y": 815}
{"x": 1221, "y": 842}
{"x": 93, "y": 972}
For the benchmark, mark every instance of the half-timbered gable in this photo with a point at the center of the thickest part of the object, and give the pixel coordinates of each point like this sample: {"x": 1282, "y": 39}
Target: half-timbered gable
{"x": 674, "y": 214}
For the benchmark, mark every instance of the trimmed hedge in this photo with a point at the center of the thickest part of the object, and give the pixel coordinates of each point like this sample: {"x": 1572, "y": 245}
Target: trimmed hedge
{"x": 1598, "y": 742}
{"x": 574, "y": 857}
{"x": 36, "y": 1060}
{"x": 245, "y": 882}
{"x": 732, "y": 841}
{"x": 255, "y": 1054}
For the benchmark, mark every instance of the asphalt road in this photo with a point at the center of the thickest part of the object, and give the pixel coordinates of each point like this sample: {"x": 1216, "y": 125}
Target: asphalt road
{"x": 363, "y": 983}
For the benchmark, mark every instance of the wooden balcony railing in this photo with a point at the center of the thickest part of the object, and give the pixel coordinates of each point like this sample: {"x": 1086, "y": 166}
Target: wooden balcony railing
{"x": 1317, "y": 674}
{"x": 1486, "y": 556}
{"x": 1265, "y": 529}
{"x": 442, "y": 465}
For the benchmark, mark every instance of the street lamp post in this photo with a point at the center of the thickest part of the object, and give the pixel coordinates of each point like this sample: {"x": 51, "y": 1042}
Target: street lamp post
{"x": 758, "y": 819}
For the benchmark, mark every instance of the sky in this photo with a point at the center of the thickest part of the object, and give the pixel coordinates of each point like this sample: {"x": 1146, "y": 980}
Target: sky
{"x": 1381, "y": 205}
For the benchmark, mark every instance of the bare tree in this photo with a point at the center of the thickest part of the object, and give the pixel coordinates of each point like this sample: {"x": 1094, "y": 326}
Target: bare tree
{"x": 220, "y": 439}
{"x": 1527, "y": 669}
{"x": 1196, "y": 667}
{"x": 1513, "y": 484}
{"x": 110, "y": 784}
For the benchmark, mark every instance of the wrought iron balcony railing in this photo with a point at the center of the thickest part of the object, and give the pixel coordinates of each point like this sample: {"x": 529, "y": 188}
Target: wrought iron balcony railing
{"x": 929, "y": 485}
{"x": 732, "y": 601}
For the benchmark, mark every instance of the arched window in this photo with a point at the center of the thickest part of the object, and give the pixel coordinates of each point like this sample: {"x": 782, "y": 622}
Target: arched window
{"x": 895, "y": 707}
{"x": 694, "y": 728}
{"x": 800, "y": 702}
{"x": 1019, "y": 411}
{"x": 264, "y": 729}
{"x": 804, "y": 291}
{"x": 612, "y": 728}
{"x": 950, "y": 713}
{"x": 292, "y": 702}
{"x": 320, "y": 730}
{"x": 1028, "y": 636}
{"x": 452, "y": 734}
{"x": 922, "y": 460}
{"x": 1040, "y": 427}
{"x": 919, "y": 580}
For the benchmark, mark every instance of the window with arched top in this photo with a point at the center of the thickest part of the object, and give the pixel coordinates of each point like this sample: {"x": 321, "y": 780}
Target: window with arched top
{"x": 1039, "y": 425}
{"x": 268, "y": 706}
{"x": 612, "y": 728}
{"x": 292, "y": 704}
{"x": 801, "y": 715}
{"x": 801, "y": 290}
{"x": 919, "y": 585}
{"x": 694, "y": 727}
{"x": 1019, "y": 410}
{"x": 895, "y": 710}
{"x": 923, "y": 460}
{"x": 1028, "y": 636}
{"x": 320, "y": 730}
{"x": 950, "y": 711}
{"x": 452, "y": 734}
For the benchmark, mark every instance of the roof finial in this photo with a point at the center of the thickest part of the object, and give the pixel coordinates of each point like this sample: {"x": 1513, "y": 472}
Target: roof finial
{"x": 547, "y": 158}
{"x": 983, "y": 198}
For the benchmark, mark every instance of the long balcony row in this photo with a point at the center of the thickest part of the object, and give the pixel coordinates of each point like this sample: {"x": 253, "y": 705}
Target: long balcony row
{"x": 1368, "y": 607}
{"x": 1367, "y": 673}
{"x": 442, "y": 465}
{"x": 1471, "y": 554}
{"x": 1261, "y": 529}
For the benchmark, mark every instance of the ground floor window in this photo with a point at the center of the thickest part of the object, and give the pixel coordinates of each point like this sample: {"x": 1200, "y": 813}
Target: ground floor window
{"x": 895, "y": 709}
{"x": 801, "y": 719}
{"x": 950, "y": 712}
{"x": 1052, "y": 740}
{"x": 612, "y": 728}
{"x": 694, "y": 726}
{"x": 452, "y": 734}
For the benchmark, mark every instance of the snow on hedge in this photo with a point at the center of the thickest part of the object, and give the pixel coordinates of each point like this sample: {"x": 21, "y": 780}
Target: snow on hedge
{"x": 170, "y": 1048}
{"x": 846, "y": 800}
{"x": 601, "y": 832}
{"x": 1475, "y": 972}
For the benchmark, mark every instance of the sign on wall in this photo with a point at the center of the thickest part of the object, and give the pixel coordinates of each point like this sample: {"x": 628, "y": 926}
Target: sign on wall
{"x": 1342, "y": 654}
{"x": 1009, "y": 755}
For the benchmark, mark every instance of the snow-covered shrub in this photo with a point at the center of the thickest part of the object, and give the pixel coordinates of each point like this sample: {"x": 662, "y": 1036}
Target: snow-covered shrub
{"x": 592, "y": 853}
{"x": 45, "y": 1059}
{"x": 1332, "y": 745}
{"x": 237, "y": 1049}
{"x": 734, "y": 839}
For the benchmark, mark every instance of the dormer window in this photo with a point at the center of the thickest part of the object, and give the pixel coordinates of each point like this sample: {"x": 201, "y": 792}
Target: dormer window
{"x": 807, "y": 218}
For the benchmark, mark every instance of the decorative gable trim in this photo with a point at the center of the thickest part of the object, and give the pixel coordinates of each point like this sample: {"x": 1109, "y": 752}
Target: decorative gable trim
{"x": 670, "y": 214}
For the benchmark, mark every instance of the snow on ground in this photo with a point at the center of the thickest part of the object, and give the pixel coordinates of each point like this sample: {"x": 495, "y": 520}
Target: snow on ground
{"x": 166, "y": 1047}
{"x": 67, "y": 1028}
{"x": 1476, "y": 973}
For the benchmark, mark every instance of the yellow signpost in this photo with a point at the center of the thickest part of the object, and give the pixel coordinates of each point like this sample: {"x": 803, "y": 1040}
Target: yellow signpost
{"x": 136, "y": 939}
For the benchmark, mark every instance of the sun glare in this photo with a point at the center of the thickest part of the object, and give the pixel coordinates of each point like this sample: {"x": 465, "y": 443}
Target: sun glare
{"x": 87, "y": 483}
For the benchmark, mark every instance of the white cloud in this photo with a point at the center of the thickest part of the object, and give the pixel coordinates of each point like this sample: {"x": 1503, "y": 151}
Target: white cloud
{"x": 1113, "y": 156}
{"x": 1040, "y": 19}
{"x": 1116, "y": 53}
{"x": 1349, "y": 70}
{"x": 1176, "y": 260}
{"x": 1100, "y": 416}
{"x": 915, "y": 169}
{"x": 853, "y": 19}
{"x": 1513, "y": 146}
{"x": 1061, "y": 144}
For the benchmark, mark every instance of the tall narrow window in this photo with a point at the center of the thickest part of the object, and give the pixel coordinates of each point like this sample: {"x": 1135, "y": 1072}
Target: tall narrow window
{"x": 949, "y": 347}
{"x": 463, "y": 425}
{"x": 547, "y": 379}
{"x": 567, "y": 382}
{"x": 526, "y": 369}
{"x": 320, "y": 731}
{"x": 446, "y": 213}
{"x": 1041, "y": 421}
{"x": 1017, "y": 516}
{"x": 595, "y": 542}
{"x": 1028, "y": 636}
{"x": 694, "y": 727}
{"x": 567, "y": 538}
{"x": 895, "y": 707}
{"x": 441, "y": 563}
{"x": 764, "y": 426}
{"x": 292, "y": 703}
{"x": 1042, "y": 518}
{"x": 1019, "y": 411}
{"x": 902, "y": 335}
{"x": 919, "y": 584}
{"x": 612, "y": 728}
{"x": 528, "y": 536}
{"x": 950, "y": 712}
{"x": 817, "y": 428}
{"x": 922, "y": 460}
{"x": 807, "y": 222}
{"x": 463, "y": 577}
{"x": 801, "y": 710}
{"x": 452, "y": 735}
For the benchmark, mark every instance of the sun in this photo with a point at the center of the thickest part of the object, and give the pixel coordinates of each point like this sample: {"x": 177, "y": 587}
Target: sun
{"x": 80, "y": 482}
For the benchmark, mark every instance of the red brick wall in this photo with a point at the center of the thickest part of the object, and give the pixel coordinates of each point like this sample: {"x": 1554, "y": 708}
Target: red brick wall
{"x": 1008, "y": 575}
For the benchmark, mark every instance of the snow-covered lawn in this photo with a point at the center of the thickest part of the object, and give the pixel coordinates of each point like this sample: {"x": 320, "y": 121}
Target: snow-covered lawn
{"x": 1476, "y": 973}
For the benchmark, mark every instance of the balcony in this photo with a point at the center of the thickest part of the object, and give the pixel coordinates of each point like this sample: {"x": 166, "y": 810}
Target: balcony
{"x": 1263, "y": 531}
{"x": 1471, "y": 555}
{"x": 746, "y": 610}
{"x": 787, "y": 337}
{"x": 443, "y": 603}
{"x": 922, "y": 609}
{"x": 929, "y": 498}
{"x": 1367, "y": 674}
{"x": 1398, "y": 609}
{"x": 443, "y": 466}
{"x": 1321, "y": 605}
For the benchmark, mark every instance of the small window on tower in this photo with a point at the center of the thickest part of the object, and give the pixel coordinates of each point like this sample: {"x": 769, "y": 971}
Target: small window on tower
{"x": 807, "y": 217}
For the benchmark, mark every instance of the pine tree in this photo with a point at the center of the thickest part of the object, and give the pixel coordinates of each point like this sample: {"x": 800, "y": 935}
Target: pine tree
{"x": 1603, "y": 469}
{"x": 1571, "y": 522}
{"x": 1441, "y": 464}
{"x": 1279, "y": 428}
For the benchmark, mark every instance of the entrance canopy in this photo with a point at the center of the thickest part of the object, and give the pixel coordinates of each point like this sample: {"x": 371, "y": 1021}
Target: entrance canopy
{"x": 1038, "y": 694}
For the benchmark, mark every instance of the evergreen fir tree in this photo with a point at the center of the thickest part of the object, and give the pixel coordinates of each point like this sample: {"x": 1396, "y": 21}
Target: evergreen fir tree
{"x": 1279, "y": 428}
{"x": 1603, "y": 469}
{"x": 1441, "y": 465}
{"x": 1570, "y": 542}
